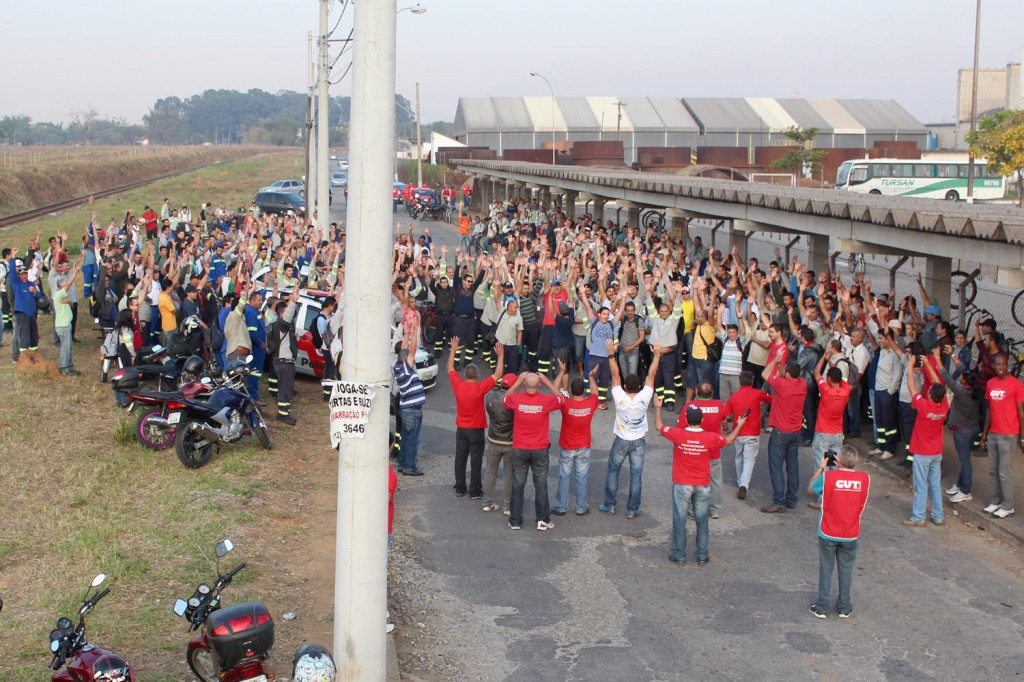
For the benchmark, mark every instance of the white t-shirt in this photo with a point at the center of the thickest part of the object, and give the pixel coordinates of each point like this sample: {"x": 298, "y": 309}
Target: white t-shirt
{"x": 631, "y": 412}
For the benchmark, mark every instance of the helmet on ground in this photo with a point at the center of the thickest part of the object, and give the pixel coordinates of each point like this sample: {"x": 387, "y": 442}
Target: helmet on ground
{"x": 236, "y": 368}
{"x": 312, "y": 663}
{"x": 193, "y": 365}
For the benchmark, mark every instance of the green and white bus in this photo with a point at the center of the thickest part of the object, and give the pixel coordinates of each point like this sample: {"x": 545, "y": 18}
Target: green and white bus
{"x": 928, "y": 178}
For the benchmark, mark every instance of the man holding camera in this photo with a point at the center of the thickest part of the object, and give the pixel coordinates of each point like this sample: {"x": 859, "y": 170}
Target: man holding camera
{"x": 844, "y": 494}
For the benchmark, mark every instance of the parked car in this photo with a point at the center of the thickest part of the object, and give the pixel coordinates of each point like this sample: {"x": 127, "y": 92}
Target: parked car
{"x": 311, "y": 361}
{"x": 293, "y": 186}
{"x": 396, "y": 194}
{"x": 279, "y": 202}
{"x": 343, "y": 163}
{"x": 339, "y": 179}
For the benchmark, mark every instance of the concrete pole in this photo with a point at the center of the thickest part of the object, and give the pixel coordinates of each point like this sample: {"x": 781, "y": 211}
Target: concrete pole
{"x": 360, "y": 593}
{"x": 937, "y": 278}
{"x": 308, "y": 177}
{"x": 323, "y": 157}
{"x": 974, "y": 99}
{"x": 419, "y": 141}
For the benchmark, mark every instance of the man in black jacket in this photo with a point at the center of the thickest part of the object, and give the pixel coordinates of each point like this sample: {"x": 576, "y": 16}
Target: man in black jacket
{"x": 444, "y": 304}
{"x": 284, "y": 348}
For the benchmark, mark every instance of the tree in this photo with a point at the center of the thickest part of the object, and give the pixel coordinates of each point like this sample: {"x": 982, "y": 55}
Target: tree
{"x": 15, "y": 129}
{"x": 1000, "y": 140}
{"x": 82, "y": 126}
{"x": 165, "y": 122}
{"x": 803, "y": 159}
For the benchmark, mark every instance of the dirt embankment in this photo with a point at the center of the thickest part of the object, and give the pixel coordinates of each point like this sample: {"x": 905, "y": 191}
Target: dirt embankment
{"x": 31, "y": 177}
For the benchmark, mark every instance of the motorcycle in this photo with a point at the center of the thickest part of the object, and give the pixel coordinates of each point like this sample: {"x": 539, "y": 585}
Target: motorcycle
{"x": 85, "y": 662}
{"x": 232, "y": 642}
{"x": 202, "y": 427}
{"x": 151, "y": 427}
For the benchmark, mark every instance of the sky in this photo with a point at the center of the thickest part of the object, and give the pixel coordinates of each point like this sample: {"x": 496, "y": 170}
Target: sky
{"x": 120, "y": 56}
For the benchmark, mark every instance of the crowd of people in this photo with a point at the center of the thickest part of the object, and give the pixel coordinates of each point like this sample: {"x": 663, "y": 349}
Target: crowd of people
{"x": 576, "y": 315}
{"x": 570, "y": 315}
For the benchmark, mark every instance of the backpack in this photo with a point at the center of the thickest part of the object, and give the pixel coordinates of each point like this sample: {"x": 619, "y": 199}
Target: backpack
{"x": 314, "y": 329}
{"x": 108, "y": 348}
{"x": 274, "y": 340}
{"x": 328, "y": 335}
{"x": 714, "y": 348}
{"x": 853, "y": 376}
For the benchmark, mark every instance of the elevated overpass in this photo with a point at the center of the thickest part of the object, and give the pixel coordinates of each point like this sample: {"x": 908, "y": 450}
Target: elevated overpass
{"x": 831, "y": 220}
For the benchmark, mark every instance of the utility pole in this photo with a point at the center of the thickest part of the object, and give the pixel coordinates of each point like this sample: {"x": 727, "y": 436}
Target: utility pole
{"x": 419, "y": 141}
{"x": 360, "y": 585}
{"x": 974, "y": 99}
{"x": 323, "y": 155}
{"x": 618, "y": 122}
{"x": 310, "y": 146}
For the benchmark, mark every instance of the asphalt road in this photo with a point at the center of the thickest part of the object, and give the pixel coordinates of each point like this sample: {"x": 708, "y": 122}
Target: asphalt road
{"x": 598, "y": 599}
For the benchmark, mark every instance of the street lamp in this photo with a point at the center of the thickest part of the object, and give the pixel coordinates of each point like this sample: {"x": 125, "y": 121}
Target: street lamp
{"x": 415, "y": 9}
{"x": 537, "y": 75}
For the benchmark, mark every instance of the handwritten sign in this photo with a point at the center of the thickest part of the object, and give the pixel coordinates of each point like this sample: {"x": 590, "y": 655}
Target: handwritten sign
{"x": 350, "y": 410}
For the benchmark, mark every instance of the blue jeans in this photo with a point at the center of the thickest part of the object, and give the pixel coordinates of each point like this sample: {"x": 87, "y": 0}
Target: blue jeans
{"x": 66, "y": 347}
{"x": 621, "y": 449}
{"x": 963, "y": 439}
{"x": 535, "y": 461}
{"x": 684, "y": 499}
{"x": 569, "y": 461}
{"x": 746, "y": 448}
{"x": 782, "y": 452}
{"x": 831, "y": 553}
{"x": 927, "y": 483}
{"x": 412, "y": 421}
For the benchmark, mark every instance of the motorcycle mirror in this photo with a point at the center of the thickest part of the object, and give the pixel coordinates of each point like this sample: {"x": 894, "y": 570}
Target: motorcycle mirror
{"x": 98, "y": 580}
{"x": 179, "y": 607}
{"x": 54, "y": 645}
{"x": 223, "y": 547}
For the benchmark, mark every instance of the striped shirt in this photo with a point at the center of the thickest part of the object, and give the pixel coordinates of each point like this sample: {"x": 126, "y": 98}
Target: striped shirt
{"x": 410, "y": 388}
{"x": 731, "y": 362}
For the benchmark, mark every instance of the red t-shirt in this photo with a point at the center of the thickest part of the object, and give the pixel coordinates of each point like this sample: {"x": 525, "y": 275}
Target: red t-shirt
{"x": 926, "y": 380}
{"x": 551, "y": 301}
{"x": 926, "y": 440}
{"x": 747, "y": 398}
{"x": 469, "y": 401}
{"x": 715, "y": 413}
{"x": 1002, "y": 396}
{"x": 831, "y": 407}
{"x": 150, "y": 218}
{"x": 780, "y": 366}
{"x": 531, "y": 423}
{"x": 691, "y": 456}
{"x": 576, "y": 418}
{"x": 787, "y": 412}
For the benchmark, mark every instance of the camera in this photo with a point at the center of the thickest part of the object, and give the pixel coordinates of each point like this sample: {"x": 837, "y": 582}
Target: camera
{"x": 830, "y": 458}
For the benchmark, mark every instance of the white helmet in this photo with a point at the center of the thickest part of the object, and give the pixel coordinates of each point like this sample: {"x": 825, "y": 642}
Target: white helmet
{"x": 312, "y": 663}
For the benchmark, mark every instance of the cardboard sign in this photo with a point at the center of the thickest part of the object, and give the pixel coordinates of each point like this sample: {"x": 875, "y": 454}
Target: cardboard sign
{"x": 350, "y": 410}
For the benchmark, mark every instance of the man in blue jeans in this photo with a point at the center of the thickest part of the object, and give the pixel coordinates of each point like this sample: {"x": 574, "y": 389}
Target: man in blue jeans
{"x": 691, "y": 476}
{"x": 631, "y": 403}
{"x": 786, "y": 419}
{"x": 411, "y": 398}
{"x": 844, "y": 494}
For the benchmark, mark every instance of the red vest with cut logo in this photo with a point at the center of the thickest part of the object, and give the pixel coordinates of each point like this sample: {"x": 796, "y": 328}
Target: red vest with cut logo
{"x": 844, "y": 495}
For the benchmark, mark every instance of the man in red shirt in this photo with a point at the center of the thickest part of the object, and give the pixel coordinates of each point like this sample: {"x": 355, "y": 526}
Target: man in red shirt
{"x": 691, "y": 476}
{"x": 833, "y": 396}
{"x": 749, "y": 440}
{"x": 844, "y": 494}
{"x": 926, "y": 448}
{"x": 1003, "y": 436}
{"x": 471, "y": 419}
{"x": 778, "y": 349}
{"x": 530, "y": 443}
{"x": 574, "y": 440}
{"x": 714, "y": 414}
{"x": 553, "y": 295}
{"x": 150, "y": 217}
{"x": 786, "y": 419}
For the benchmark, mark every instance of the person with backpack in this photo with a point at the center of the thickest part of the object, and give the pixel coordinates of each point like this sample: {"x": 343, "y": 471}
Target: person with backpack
{"x": 603, "y": 343}
{"x": 731, "y": 359}
{"x": 322, "y": 339}
{"x": 6, "y": 315}
{"x": 807, "y": 357}
{"x": 631, "y": 337}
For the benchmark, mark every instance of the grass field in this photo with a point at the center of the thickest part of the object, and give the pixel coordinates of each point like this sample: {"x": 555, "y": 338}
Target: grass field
{"x": 79, "y": 497}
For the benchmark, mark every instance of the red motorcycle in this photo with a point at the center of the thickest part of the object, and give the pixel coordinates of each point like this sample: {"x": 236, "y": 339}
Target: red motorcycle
{"x": 85, "y": 662}
{"x": 233, "y": 641}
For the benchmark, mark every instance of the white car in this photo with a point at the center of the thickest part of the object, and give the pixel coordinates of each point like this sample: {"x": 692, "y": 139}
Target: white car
{"x": 294, "y": 186}
{"x": 339, "y": 179}
{"x": 343, "y": 163}
{"x": 311, "y": 361}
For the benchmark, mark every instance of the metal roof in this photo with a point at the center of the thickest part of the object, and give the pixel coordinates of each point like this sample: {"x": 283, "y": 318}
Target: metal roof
{"x": 840, "y": 121}
{"x": 577, "y": 114}
{"x": 674, "y": 114}
{"x": 883, "y": 116}
{"x": 724, "y": 115}
{"x": 541, "y": 111}
{"x": 804, "y": 114}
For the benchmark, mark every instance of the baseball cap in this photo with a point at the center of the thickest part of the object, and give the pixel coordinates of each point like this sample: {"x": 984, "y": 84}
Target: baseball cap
{"x": 556, "y": 282}
{"x": 508, "y": 284}
{"x": 508, "y": 380}
{"x": 933, "y": 310}
{"x": 693, "y": 414}
{"x": 895, "y": 324}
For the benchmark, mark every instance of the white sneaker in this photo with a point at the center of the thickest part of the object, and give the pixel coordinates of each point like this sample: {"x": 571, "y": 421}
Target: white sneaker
{"x": 874, "y": 451}
{"x": 886, "y": 455}
{"x": 564, "y": 392}
{"x": 389, "y": 628}
{"x": 990, "y": 508}
{"x": 961, "y": 497}
{"x": 1002, "y": 513}
{"x": 544, "y": 525}
{"x": 952, "y": 490}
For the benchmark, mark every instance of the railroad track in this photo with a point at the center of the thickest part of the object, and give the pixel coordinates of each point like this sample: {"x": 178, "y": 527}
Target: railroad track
{"x": 26, "y": 216}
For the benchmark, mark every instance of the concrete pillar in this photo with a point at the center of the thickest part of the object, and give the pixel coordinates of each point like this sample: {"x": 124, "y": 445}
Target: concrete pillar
{"x": 818, "y": 252}
{"x": 545, "y": 198}
{"x": 598, "y": 211}
{"x": 679, "y": 227}
{"x": 937, "y": 282}
{"x": 569, "y": 203}
{"x": 633, "y": 217}
{"x": 738, "y": 238}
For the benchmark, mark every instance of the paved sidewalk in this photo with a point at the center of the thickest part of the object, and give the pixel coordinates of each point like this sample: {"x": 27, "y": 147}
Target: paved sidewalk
{"x": 1009, "y": 530}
